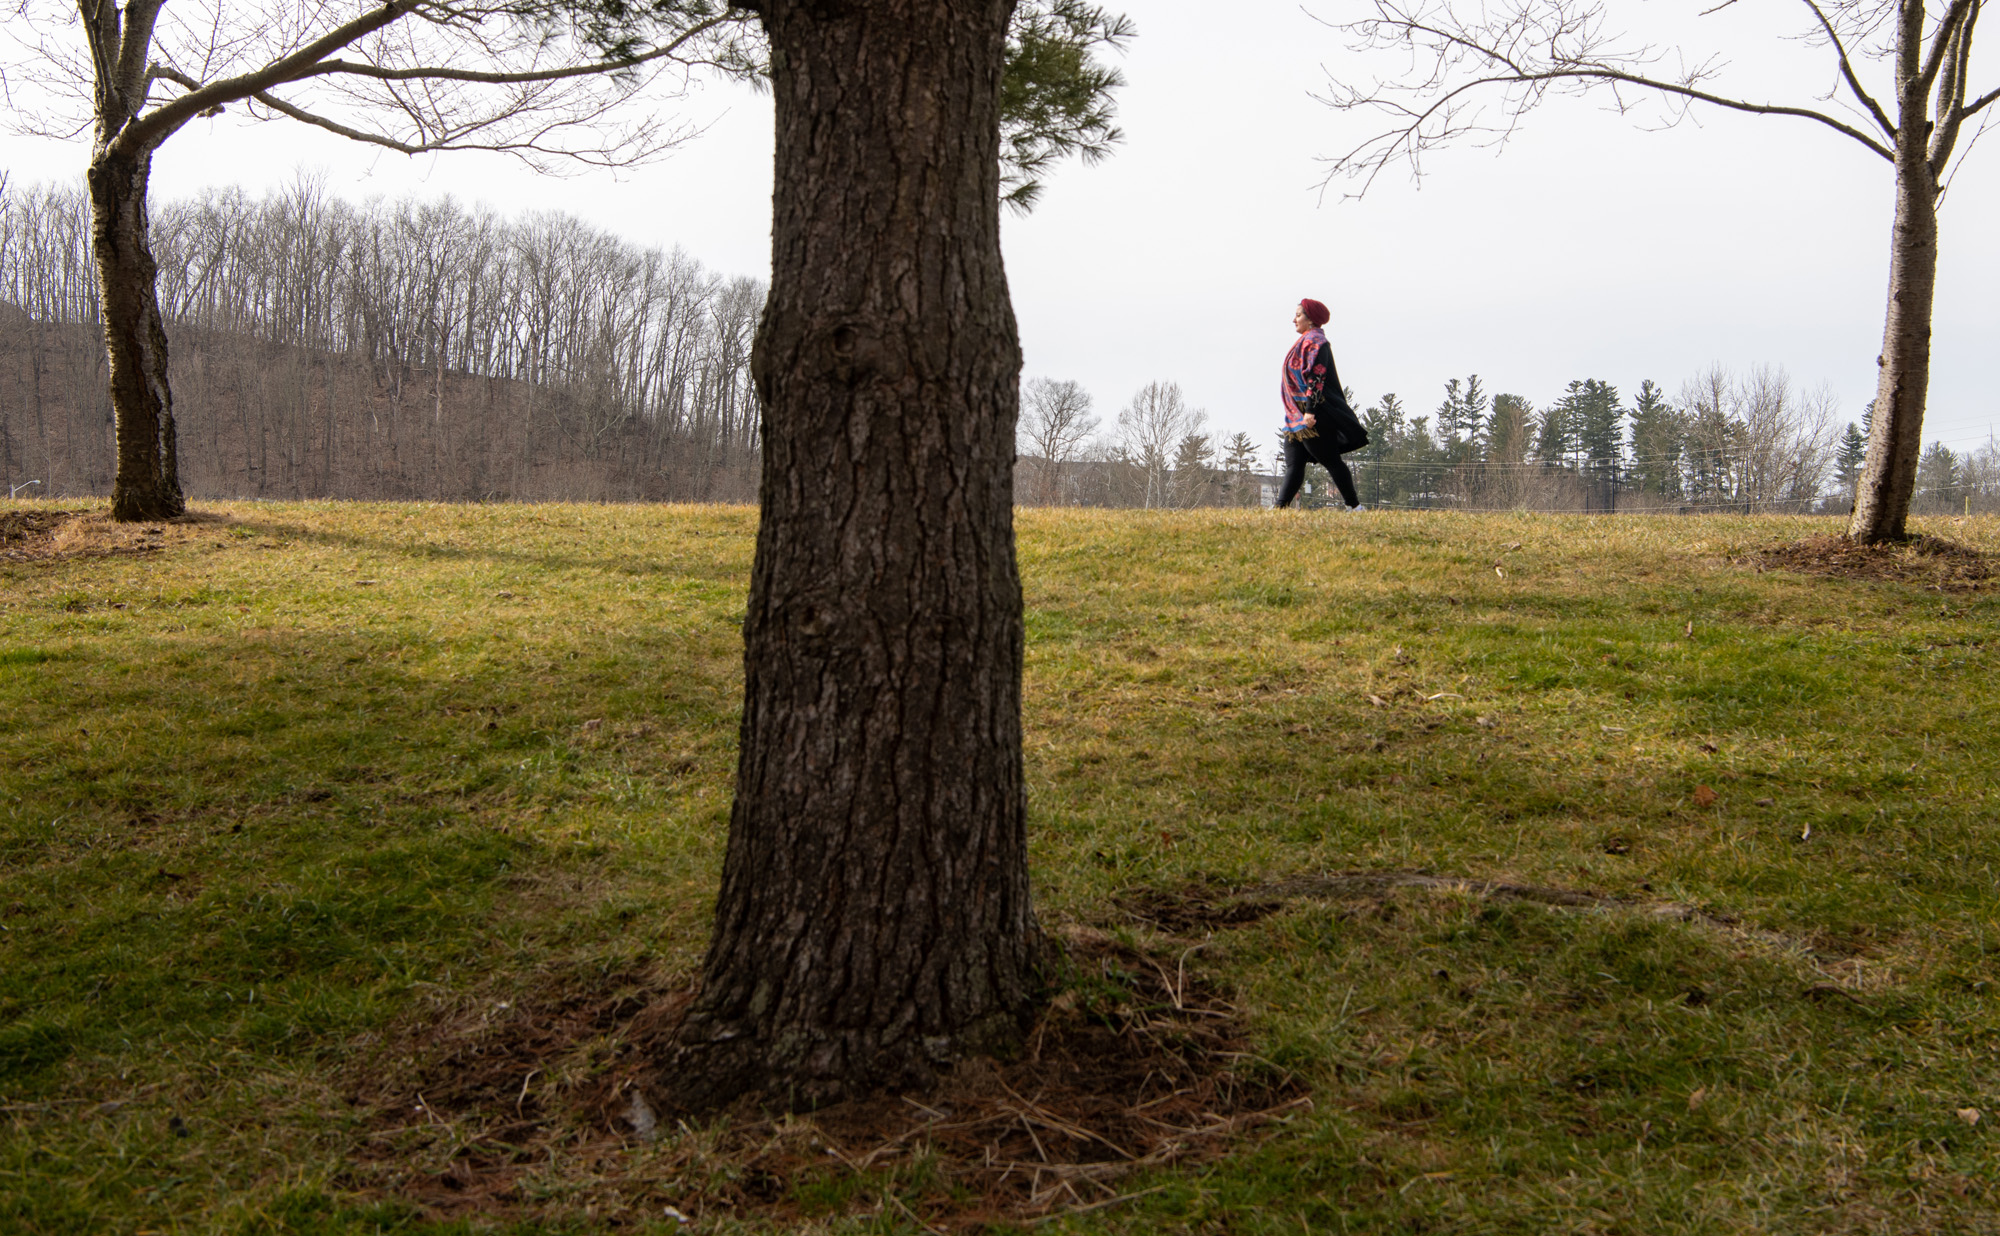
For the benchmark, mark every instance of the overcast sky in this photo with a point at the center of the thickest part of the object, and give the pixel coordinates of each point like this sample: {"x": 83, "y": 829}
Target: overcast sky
{"x": 1588, "y": 248}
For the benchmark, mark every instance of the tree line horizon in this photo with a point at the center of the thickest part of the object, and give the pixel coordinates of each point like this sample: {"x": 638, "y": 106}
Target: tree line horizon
{"x": 425, "y": 350}
{"x": 1745, "y": 442}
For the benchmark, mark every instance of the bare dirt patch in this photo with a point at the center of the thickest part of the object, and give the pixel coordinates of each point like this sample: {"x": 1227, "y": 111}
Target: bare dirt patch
{"x": 1925, "y": 560}
{"x": 554, "y": 1103}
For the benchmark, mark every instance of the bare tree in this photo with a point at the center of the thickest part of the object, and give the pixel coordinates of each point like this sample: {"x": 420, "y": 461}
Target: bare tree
{"x": 520, "y": 76}
{"x": 1150, "y": 430}
{"x": 1055, "y": 424}
{"x": 1754, "y": 443}
{"x": 1475, "y": 71}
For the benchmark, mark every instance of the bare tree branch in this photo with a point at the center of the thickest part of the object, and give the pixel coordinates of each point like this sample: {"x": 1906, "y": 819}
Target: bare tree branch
{"x": 157, "y": 125}
{"x": 1847, "y": 71}
{"x": 1522, "y": 52}
{"x": 439, "y": 73}
{"x": 1945, "y": 42}
{"x": 135, "y": 41}
{"x": 1741, "y": 105}
{"x": 374, "y": 139}
{"x": 1951, "y": 95}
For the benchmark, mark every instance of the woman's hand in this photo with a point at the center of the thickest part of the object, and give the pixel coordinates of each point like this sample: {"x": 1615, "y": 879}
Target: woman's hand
{"x": 1311, "y": 420}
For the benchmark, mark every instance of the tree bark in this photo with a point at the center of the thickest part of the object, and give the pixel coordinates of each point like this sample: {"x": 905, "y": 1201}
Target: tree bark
{"x": 147, "y": 485}
{"x": 1889, "y": 475}
{"x": 874, "y": 922}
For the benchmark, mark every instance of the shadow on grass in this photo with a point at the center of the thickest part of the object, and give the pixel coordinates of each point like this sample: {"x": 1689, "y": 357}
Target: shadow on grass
{"x": 616, "y": 564}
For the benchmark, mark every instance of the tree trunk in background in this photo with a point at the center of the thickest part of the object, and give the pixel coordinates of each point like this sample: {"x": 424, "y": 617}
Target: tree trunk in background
{"x": 874, "y": 921}
{"x": 147, "y": 485}
{"x": 1889, "y": 476}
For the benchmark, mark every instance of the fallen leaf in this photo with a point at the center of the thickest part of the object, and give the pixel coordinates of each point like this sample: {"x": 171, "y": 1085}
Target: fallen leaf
{"x": 1485, "y": 722}
{"x": 1704, "y": 796}
{"x": 1805, "y": 834}
{"x": 1690, "y": 629}
{"x": 1710, "y": 746}
{"x": 595, "y": 723}
{"x": 1511, "y": 546}
{"x": 1969, "y": 1114}
{"x": 1768, "y": 802}
{"x": 1378, "y": 701}
{"x": 1695, "y": 1100}
{"x": 1497, "y": 571}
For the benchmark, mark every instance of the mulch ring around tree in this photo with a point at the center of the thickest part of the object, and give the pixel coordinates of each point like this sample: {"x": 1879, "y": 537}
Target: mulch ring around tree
{"x": 29, "y": 535}
{"x": 44, "y": 535}
{"x": 551, "y": 1104}
{"x": 1925, "y": 560}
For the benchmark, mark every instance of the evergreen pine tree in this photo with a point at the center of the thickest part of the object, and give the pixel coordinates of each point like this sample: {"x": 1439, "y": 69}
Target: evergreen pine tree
{"x": 1659, "y": 439}
{"x": 1556, "y": 433}
{"x": 1451, "y": 412}
{"x": 1239, "y": 467}
{"x": 1460, "y": 418}
{"x": 1508, "y": 433}
{"x": 1385, "y": 436}
{"x": 1847, "y": 458}
{"x": 1421, "y": 461}
{"x": 1191, "y": 477}
{"x": 1601, "y": 429}
{"x": 1939, "y": 479}
{"x": 1472, "y": 413}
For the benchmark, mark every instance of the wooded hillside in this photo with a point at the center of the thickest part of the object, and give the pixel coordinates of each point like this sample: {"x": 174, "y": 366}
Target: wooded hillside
{"x": 390, "y": 350}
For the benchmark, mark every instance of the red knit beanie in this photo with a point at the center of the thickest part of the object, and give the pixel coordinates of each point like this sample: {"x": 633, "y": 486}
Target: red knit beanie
{"x": 1316, "y": 313}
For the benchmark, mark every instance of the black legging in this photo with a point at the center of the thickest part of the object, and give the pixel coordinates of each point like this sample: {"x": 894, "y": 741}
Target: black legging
{"x": 1315, "y": 450}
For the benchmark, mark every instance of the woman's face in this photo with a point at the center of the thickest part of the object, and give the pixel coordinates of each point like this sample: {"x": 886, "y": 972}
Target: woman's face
{"x": 1300, "y": 321}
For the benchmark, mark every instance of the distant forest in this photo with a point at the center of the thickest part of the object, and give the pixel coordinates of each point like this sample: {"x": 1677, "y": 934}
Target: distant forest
{"x": 1726, "y": 442}
{"x": 431, "y": 351}
{"x": 390, "y": 350}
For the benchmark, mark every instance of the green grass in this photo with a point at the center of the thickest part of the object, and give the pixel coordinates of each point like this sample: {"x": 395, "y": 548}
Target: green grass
{"x": 276, "y": 789}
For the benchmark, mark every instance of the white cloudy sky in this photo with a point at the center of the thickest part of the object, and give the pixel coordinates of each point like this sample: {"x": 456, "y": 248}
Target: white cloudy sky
{"x": 1589, "y": 247}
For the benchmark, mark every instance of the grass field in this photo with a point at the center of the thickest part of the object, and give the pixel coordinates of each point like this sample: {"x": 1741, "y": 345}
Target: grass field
{"x": 285, "y": 783}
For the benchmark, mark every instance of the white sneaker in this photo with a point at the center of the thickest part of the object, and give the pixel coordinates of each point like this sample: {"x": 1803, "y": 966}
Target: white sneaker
{"x": 1357, "y": 508}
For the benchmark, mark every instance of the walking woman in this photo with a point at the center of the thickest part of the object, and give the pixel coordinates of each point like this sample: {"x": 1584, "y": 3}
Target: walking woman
{"x": 1318, "y": 423}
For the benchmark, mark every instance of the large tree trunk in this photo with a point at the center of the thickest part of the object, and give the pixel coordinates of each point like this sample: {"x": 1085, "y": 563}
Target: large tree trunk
{"x": 874, "y": 921}
{"x": 147, "y": 485}
{"x": 1889, "y": 476}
